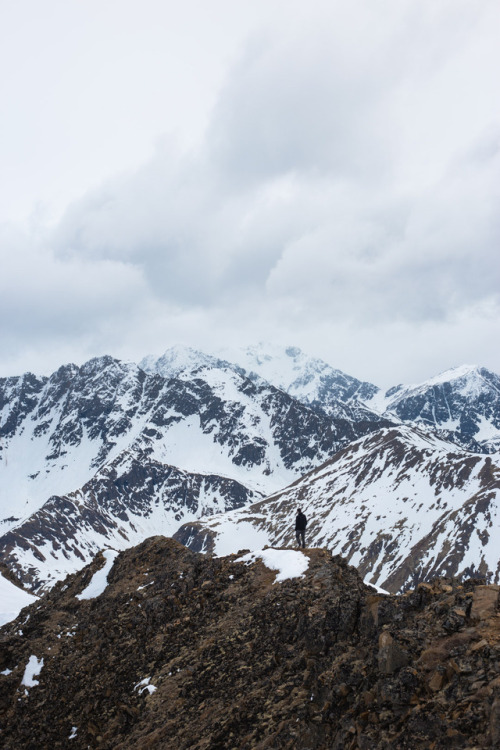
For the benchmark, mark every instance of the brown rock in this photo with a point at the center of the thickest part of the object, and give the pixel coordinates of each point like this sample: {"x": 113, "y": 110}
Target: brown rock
{"x": 484, "y": 602}
{"x": 495, "y": 723}
{"x": 436, "y": 681}
{"x": 391, "y": 656}
{"x": 239, "y": 661}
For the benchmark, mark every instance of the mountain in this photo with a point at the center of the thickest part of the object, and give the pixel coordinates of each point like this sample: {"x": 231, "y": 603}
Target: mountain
{"x": 107, "y": 452}
{"x": 400, "y": 504}
{"x": 461, "y": 405}
{"x": 128, "y": 500}
{"x": 159, "y": 647}
{"x": 183, "y": 359}
{"x": 308, "y": 379}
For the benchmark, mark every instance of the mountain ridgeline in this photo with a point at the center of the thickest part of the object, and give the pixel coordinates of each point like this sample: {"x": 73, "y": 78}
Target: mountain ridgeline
{"x": 219, "y": 450}
{"x": 174, "y": 650}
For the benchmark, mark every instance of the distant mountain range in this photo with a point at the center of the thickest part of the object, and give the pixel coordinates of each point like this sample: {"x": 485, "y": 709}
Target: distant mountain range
{"x": 112, "y": 452}
{"x": 461, "y": 404}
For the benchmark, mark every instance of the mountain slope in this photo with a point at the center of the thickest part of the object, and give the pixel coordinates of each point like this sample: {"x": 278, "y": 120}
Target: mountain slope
{"x": 161, "y": 648}
{"x": 308, "y": 379}
{"x": 108, "y": 453}
{"x": 461, "y": 404}
{"x": 401, "y": 505}
{"x": 128, "y": 500}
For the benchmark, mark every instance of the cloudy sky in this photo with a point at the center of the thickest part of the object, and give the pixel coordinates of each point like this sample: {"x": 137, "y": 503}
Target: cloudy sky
{"x": 323, "y": 174}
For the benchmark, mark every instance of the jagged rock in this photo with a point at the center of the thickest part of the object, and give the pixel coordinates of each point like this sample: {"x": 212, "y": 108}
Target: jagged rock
{"x": 186, "y": 651}
{"x": 484, "y": 602}
{"x": 391, "y": 656}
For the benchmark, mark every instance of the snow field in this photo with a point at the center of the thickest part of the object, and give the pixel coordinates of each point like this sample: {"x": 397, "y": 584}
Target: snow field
{"x": 12, "y": 600}
{"x": 288, "y": 563}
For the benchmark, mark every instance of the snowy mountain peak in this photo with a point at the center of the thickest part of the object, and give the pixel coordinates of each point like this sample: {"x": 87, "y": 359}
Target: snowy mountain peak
{"x": 179, "y": 359}
{"x": 308, "y": 379}
{"x": 462, "y": 404}
{"x": 455, "y": 373}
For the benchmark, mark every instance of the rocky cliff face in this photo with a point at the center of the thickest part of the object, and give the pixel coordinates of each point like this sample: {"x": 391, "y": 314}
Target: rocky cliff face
{"x": 461, "y": 405}
{"x": 184, "y": 651}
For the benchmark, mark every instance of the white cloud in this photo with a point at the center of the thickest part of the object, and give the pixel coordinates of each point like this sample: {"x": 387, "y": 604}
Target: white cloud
{"x": 344, "y": 196}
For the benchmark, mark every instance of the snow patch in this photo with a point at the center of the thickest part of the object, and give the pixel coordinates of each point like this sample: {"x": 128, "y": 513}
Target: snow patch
{"x": 144, "y": 685}
{"x": 288, "y": 563}
{"x": 12, "y": 600}
{"x": 33, "y": 669}
{"x": 99, "y": 580}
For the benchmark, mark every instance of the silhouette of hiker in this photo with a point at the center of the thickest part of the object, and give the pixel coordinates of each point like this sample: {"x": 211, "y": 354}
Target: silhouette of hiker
{"x": 300, "y": 528}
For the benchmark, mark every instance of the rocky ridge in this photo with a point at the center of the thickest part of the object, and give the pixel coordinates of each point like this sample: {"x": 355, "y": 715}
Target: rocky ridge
{"x": 461, "y": 405}
{"x": 186, "y": 651}
{"x": 400, "y": 504}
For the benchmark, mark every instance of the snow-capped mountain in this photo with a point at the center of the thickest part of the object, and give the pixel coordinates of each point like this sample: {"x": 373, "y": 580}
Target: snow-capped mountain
{"x": 108, "y": 452}
{"x": 308, "y": 379}
{"x": 112, "y": 453}
{"x": 183, "y": 359}
{"x": 401, "y": 505}
{"x": 128, "y": 500}
{"x": 461, "y": 404}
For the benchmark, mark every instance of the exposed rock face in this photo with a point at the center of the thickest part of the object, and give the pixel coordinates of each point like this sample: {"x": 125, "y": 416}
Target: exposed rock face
{"x": 401, "y": 505}
{"x": 184, "y": 651}
{"x": 462, "y": 405}
{"x": 120, "y": 506}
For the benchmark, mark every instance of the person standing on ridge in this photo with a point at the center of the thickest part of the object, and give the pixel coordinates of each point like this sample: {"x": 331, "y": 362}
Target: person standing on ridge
{"x": 300, "y": 528}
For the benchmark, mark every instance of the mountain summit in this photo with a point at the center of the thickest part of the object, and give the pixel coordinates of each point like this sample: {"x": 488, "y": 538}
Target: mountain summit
{"x": 461, "y": 404}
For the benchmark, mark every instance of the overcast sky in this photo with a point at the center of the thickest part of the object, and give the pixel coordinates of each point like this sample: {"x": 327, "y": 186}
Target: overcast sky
{"x": 322, "y": 174}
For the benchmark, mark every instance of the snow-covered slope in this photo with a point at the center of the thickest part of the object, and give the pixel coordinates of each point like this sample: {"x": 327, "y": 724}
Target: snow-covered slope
{"x": 461, "y": 404}
{"x": 55, "y": 432}
{"x": 12, "y": 601}
{"x": 109, "y": 424}
{"x": 128, "y": 500}
{"x": 401, "y": 505}
{"x": 308, "y": 379}
{"x": 182, "y": 359}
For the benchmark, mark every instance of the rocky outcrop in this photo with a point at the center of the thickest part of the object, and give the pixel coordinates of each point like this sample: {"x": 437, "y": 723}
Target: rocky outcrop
{"x": 186, "y": 651}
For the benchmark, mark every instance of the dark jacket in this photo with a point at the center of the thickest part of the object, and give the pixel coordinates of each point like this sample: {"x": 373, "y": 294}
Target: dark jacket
{"x": 300, "y": 522}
